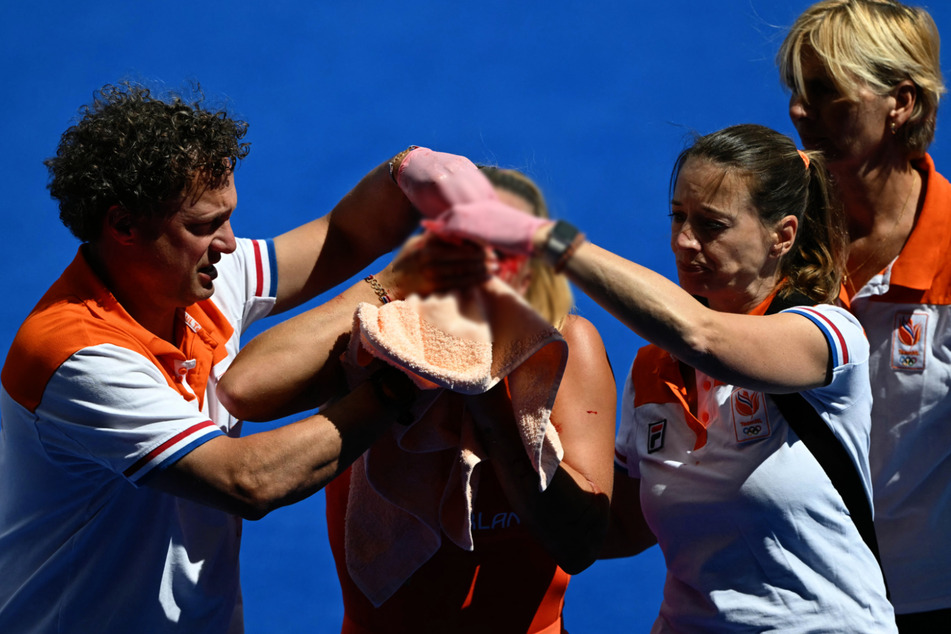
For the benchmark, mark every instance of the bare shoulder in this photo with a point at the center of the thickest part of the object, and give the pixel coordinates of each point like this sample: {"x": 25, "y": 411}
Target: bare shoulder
{"x": 578, "y": 331}
{"x": 588, "y": 360}
{"x": 585, "y": 406}
{"x": 578, "y": 326}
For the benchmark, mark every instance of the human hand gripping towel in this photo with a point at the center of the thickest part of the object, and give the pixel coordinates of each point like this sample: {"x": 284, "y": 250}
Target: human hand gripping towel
{"x": 419, "y": 481}
{"x": 457, "y": 201}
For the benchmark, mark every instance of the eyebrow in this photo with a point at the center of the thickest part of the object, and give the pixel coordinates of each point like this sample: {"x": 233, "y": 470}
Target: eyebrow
{"x": 706, "y": 207}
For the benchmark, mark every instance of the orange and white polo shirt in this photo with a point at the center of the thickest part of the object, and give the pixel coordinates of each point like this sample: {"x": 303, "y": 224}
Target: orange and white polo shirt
{"x": 906, "y": 313}
{"x": 92, "y": 404}
{"x": 754, "y": 534}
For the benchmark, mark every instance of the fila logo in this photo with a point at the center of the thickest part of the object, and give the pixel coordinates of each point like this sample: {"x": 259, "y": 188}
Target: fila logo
{"x": 909, "y": 341}
{"x": 655, "y": 435}
{"x": 750, "y": 421}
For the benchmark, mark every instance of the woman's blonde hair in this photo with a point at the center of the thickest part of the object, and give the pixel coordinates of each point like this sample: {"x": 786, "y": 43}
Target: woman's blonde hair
{"x": 548, "y": 292}
{"x": 879, "y": 43}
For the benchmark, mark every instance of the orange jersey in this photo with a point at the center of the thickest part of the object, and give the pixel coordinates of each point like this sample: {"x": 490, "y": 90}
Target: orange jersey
{"x": 508, "y": 583}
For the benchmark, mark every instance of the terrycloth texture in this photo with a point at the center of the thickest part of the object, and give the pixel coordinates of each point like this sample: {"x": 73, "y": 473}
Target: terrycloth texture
{"x": 418, "y": 482}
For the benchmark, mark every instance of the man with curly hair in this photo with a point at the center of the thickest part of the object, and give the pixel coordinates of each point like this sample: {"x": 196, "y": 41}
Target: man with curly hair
{"x": 123, "y": 478}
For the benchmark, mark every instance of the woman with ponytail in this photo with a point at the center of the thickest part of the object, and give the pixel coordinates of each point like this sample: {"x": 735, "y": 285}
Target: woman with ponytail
{"x": 755, "y": 534}
{"x": 754, "y": 375}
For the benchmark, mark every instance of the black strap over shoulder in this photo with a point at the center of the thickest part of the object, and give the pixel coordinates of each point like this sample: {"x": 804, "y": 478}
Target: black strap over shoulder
{"x": 791, "y": 300}
{"x": 828, "y": 451}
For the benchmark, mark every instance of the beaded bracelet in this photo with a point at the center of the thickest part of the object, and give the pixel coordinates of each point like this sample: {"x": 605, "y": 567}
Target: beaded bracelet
{"x": 378, "y": 289}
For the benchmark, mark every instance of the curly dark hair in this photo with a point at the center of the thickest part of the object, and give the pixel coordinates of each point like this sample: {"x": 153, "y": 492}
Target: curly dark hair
{"x": 139, "y": 152}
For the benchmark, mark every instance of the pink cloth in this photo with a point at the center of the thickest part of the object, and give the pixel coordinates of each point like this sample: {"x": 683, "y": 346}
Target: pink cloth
{"x": 436, "y": 181}
{"x": 418, "y": 482}
{"x": 490, "y": 222}
{"x": 458, "y": 201}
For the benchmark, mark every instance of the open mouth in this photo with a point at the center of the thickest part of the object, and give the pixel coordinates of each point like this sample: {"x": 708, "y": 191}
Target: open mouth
{"x": 208, "y": 271}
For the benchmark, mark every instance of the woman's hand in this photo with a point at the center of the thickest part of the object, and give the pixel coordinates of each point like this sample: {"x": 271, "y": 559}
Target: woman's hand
{"x": 428, "y": 264}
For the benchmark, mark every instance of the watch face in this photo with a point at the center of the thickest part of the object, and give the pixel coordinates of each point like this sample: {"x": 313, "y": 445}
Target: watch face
{"x": 562, "y": 234}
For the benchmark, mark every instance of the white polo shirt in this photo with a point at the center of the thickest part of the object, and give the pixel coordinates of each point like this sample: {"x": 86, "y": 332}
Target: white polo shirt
{"x": 753, "y": 532}
{"x": 92, "y": 405}
{"x": 906, "y": 313}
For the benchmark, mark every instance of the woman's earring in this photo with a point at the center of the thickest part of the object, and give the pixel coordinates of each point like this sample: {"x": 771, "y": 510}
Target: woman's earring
{"x": 894, "y": 127}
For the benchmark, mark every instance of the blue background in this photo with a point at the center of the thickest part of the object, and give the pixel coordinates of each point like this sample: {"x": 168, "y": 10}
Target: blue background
{"x": 592, "y": 99}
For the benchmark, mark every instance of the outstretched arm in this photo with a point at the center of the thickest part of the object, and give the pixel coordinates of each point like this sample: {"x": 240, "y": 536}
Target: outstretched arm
{"x": 571, "y": 516}
{"x": 372, "y": 219}
{"x": 776, "y": 353}
{"x": 295, "y": 365}
{"x": 253, "y": 475}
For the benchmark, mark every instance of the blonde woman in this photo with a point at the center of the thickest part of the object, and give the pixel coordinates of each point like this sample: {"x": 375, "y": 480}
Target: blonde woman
{"x": 865, "y": 79}
{"x": 515, "y": 578}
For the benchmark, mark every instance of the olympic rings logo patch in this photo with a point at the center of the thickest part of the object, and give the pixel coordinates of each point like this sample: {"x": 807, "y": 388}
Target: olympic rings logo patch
{"x": 907, "y": 361}
{"x": 750, "y": 415}
{"x": 910, "y": 345}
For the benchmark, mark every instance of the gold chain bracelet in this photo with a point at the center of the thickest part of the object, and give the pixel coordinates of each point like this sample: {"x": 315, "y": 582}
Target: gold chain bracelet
{"x": 378, "y": 289}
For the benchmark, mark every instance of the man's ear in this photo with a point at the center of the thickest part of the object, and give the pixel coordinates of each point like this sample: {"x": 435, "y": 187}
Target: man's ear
{"x": 119, "y": 224}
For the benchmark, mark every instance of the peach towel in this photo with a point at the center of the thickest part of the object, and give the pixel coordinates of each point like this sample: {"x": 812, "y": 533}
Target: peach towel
{"x": 419, "y": 481}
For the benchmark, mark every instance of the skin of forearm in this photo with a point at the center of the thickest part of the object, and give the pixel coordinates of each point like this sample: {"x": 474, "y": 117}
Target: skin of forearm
{"x": 261, "y": 472}
{"x": 646, "y": 302}
{"x": 371, "y": 220}
{"x": 352, "y": 230}
{"x": 664, "y": 314}
{"x": 335, "y": 438}
{"x": 295, "y": 365}
{"x": 722, "y": 345}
